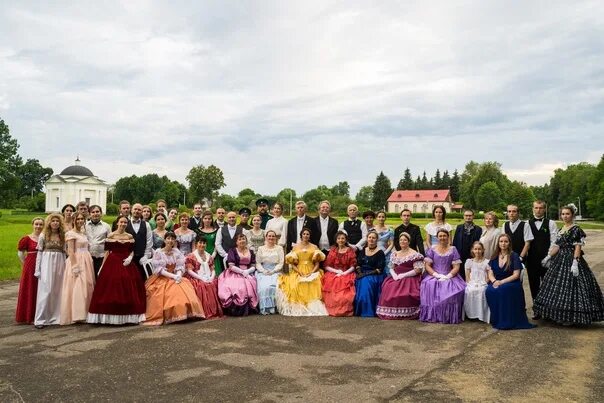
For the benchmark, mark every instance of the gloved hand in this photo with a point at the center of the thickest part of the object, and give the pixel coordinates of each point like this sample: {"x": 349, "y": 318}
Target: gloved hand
{"x": 546, "y": 261}
{"x": 574, "y": 269}
{"x": 128, "y": 260}
{"x": 443, "y": 278}
{"x": 76, "y": 271}
{"x": 249, "y": 271}
{"x": 178, "y": 277}
{"x": 143, "y": 260}
{"x": 438, "y": 275}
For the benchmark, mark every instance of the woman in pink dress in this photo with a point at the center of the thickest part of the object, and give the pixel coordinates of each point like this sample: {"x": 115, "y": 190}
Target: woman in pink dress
{"x": 400, "y": 289}
{"x": 78, "y": 280}
{"x": 200, "y": 272}
{"x": 237, "y": 287}
{"x": 28, "y": 286}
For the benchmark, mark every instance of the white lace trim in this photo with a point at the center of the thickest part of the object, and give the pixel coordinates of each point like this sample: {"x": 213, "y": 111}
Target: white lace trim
{"x": 115, "y": 319}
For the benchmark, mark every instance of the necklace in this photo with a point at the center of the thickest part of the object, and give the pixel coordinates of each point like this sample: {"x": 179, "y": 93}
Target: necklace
{"x": 372, "y": 249}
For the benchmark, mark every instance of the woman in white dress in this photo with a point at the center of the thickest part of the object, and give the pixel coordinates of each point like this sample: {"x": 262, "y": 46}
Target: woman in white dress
{"x": 440, "y": 215}
{"x": 475, "y": 304}
{"x": 490, "y": 234}
{"x": 269, "y": 263}
{"x": 50, "y": 268}
{"x": 278, "y": 224}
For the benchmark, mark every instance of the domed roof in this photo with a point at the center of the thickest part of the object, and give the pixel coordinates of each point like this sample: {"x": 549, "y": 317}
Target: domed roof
{"x": 77, "y": 170}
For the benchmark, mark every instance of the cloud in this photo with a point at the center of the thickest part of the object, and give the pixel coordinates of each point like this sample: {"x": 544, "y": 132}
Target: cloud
{"x": 305, "y": 93}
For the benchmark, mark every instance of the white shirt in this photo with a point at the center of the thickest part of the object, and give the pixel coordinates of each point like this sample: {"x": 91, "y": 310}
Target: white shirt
{"x": 527, "y": 233}
{"x": 96, "y": 234}
{"x": 364, "y": 232}
{"x": 324, "y": 240}
{"x": 553, "y": 230}
{"x": 279, "y": 225}
{"x": 299, "y": 226}
{"x": 218, "y": 245}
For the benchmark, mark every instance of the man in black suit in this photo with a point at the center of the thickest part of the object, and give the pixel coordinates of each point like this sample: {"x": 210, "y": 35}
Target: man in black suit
{"x": 295, "y": 225}
{"x": 327, "y": 227}
{"x": 417, "y": 242}
{"x": 465, "y": 236}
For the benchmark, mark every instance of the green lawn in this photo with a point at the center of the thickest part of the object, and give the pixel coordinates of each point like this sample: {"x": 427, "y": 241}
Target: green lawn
{"x": 13, "y": 227}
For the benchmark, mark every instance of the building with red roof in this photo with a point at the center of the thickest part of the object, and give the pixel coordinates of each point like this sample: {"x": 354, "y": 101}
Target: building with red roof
{"x": 419, "y": 201}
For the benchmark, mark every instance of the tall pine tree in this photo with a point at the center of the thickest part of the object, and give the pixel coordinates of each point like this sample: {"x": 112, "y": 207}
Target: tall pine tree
{"x": 382, "y": 189}
{"x": 406, "y": 182}
{"x": 425, "y": 182}
{"x": 455, "y": 183}
{"x": 446, "y": 181}
{"x": 418, "y": 183}
{"x": 437, "y": 181}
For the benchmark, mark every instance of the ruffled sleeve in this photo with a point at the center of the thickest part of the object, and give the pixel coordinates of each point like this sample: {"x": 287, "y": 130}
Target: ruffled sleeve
{"x": 70, "y": 235}
{"x": 419, "y": 264}
{"x": 456, "y": 259}
{"x": 429, "y": 255}
{"x": 318, "y": 256}
{"x": 191, "y": 262}
{"x": 579, "y": 237}
{"x": 331, "y": 257}
{"x": 179, "y": 260}
{"x": 159, "y": 261}
{"x": 291, "y": 258}
{"x": 351, "y": 258}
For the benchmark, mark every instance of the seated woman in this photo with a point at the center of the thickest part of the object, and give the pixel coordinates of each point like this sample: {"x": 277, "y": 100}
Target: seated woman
{"x": 570, "y": 293}
{"x": 170, "y": 297}
{"x": 475, "y": 304}
{"x": 237, "y": 287}
{"x": 442, "y": 288}
{"x": 299, "y": 291}
{"x": 338, "y": 282}
{"x": 505, "y": 295}
{"x": 370, "y": 275}
{"x": 200, "y": 272}
{"x": 269, "y": 263}
{"x": 401, "y": 288}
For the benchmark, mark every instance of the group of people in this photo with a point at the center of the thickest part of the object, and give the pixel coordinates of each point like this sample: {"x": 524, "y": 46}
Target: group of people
{"x": 167, "y": 267}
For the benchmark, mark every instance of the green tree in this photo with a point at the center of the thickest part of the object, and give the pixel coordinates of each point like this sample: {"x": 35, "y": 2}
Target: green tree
{"x": 204, "y": 183}
{"x": 446, "y": 181}
{"x": 520, "y": 194}
{"x": 33, "y": 176}
{"x": 286, "y": 197}
{"x": 572, "y": 183}
{"x": 247, "y": 198}
{"x": 454, "y": 185}
{"x": 425, "y": 183}
{"x": 149, "y": 188}
{"x": 595, "y": 193}
{"x": 225, "y": 201}
{"x": 364, "y": 197}
{"x": 418, "y": 183}
{"x": 382, "y": 189}
{"x": 313, "y": 197}
{"x": 489, "y": 197}
{"x": 475, "y": 175}
{"x": 341, "y": 189}
{"x": 10, "y": 161}
{"x": 406, "y": 182}
{"x": 437, "y": 181}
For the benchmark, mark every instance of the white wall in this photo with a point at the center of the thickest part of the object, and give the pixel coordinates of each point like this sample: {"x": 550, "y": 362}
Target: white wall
{"x": 417, "y": 207}
{"x": 58, "y": 194}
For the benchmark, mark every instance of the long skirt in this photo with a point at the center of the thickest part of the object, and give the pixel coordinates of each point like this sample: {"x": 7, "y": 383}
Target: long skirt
{"x": 338, "y": 294}
{"x": 267, "y": 287}
{"x": 475, "y": 303}
{"x": 237, "y": 293}
{"x": 77, "y": 289}
{"x": 169, "y": 301}
{"x": 508, "y": 309}
{"x": 399, "y": 298}
{"x": 368, "y": 290}
{"x": 208, "y": 297}
{"x": 50, "y": 282}
{"x": 441, "y": 301}
{"x": 28, "y": 288}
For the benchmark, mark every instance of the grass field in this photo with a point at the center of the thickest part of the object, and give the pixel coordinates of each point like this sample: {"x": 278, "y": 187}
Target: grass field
{"x": 13, "y": 227}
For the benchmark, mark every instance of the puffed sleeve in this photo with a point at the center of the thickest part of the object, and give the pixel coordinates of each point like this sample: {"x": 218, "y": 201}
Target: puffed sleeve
{"x": 179, "y": 260}
{"x": 456, "y": 259}
{"x": 280, "y": 259}
{"x": 291, "y": 258}
{"x": 232, "y": 257}
{"x": 579, "y": 237}
{"x": 318, "y": 256}
{"x": 159, "y": 261}
{"x": 23, "y": 243}
{"x": 419, "y": 263}
{"x": 429, "y": 255}
{"x": 191, "y": 263}
{"x": 331, "y": 255}
{"x": 351, "y": 258}
{"x": 70, "y": 235}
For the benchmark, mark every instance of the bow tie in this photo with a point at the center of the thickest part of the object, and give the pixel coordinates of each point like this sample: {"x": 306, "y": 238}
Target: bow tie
{"x": 538, "y": 219}
{"x": 136, "y": 222}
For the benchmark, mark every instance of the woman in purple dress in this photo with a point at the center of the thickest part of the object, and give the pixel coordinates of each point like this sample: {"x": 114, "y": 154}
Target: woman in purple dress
{"x": 442, "y": 288}
{"x": 401, "y": 288}
{"x": 237, "y": 287}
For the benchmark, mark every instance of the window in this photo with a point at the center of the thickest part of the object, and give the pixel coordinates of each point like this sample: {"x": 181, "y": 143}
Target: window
{"x": 58, "y": 202}
{"x": 415, "y": 208}
{"x": 88, "y": 201}
{"x": 396, "y": 208}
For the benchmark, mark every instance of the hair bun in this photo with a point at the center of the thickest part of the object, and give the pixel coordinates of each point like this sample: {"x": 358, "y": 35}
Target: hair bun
{"x": 572, "y": 208}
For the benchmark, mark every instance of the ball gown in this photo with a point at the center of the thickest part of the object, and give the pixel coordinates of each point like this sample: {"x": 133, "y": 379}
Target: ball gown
{"x": 300, "y": 294}
{"x": 400, "y": 299}
{"x": 50, "y": 268}
{"x": 28, "y": 285}
{"x": 442, "y": 301}
{"x": 77, "y": 287}
{"x": 475, "y": 303}
{"x": 339, "y": 291}
{"x": 119, "y": 293}
{"x": 268, "y": 259}
{"x": 207, "y": 291}
{"x": 563, "y": 297}
{"x": 369, "y": 286}
{"x": 237, "y": 292}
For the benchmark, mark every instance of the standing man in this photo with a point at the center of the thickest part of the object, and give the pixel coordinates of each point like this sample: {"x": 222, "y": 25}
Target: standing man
{"x": 195, "y": 221}
{"x": 417, "y": 242}
{"x": 244, "y": 216}
{"x": 124, "y": 211}
{"x": 262, "y": 205}
{"x": 225, "y": 237}
{"x": 143, "y": 241}
{"x": 465, "y": 236}
{"x": 327, "y": 227}
{"x": 82, "y": 207}
{"x": 295, "y": 225}
{"x": 220, "y": 213}
{"x": 356, "y": 229}
{"x": 96, "y": 232}
{"x": 544, "y": 233}
{"x": 519, "y": 231}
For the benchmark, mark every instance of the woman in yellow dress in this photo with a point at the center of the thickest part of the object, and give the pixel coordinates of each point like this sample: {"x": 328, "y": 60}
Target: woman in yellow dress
{"x": 299, "y": 291}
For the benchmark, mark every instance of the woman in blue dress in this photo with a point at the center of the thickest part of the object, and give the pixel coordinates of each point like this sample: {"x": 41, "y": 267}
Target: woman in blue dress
{"x": 385, "y": 237}
{"x": 505, "y": 295}
{"x": 370, "y": 275}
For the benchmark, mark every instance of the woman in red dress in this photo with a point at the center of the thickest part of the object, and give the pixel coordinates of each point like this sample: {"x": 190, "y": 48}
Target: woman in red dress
{"x": 338, "y": 282}
{"x": 28, "y": 286}
{"x": 200, "y": 272}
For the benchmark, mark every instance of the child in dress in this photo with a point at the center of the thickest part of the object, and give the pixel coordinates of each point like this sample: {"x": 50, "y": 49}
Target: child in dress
{"x": 475, "y": 304}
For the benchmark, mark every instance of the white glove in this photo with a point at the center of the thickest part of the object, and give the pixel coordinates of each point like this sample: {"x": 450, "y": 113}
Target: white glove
{"x": 574, "y": 269}
{"x": 128, "y": 260}
{"x": 76, "y": 271}
{"x": 143, "y": 260}
{"x": 443, "y": 278}
{"x": 250, "y": 271}
{"x": 178, "y": 277}
{"x": 546, "y": 261}
{"x": 438, "y": 275}
{"x": 410, "y": 273}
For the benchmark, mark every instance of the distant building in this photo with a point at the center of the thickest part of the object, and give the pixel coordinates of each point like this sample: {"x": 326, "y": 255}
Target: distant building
{"x": 74, "y": 184}
{"x": 419, "y": 201}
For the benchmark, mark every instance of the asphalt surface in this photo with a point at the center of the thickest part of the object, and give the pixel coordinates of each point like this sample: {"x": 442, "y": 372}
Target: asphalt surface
{"x": 269, "y": 359}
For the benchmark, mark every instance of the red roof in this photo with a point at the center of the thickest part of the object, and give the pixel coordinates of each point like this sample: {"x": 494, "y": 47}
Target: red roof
{"x": 440, "y": 195}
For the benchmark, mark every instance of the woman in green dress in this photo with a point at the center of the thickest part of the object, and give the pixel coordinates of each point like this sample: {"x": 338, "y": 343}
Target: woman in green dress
{"x": 209, "y": 231}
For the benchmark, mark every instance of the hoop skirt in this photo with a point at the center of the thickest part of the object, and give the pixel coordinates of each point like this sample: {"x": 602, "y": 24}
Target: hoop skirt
{"x": 119, "y": 294}
{"x": 238, "y": 293}
{"x": 563, "y": 297}
{"x": 268, "y": 259}
{"x": 400, "y": 298}
{"x": 369, "y": 287}
{"x": 167, "y": 300}
{"x": 339, "y": 291}
{"x": 28, "y": 285}
{"x": 506, "y": 302}
{"x": 207, "y": 291}
{"x": 77, "y": 288}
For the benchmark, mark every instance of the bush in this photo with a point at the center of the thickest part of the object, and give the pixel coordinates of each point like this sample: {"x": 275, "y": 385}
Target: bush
{"x": 112, "y": 209}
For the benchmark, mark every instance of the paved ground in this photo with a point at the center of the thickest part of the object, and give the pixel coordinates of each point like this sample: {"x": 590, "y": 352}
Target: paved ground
{"x": 263, "y": 359}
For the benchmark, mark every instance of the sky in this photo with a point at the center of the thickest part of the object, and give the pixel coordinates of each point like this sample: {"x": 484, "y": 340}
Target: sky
{"x": 304, "y": 93}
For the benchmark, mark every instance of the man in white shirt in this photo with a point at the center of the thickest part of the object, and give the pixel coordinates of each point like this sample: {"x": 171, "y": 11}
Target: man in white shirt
{"x": 225, "y": 237}
{"x": 327, "y": 227}
{"x": 355, "y": 228}
{"x": 296, "y": 224}
{"x": 519, "y": 231}
{"x": 96, "y": 232}
{"x": 143, "y": 240}
{"x": 220, "y": 213}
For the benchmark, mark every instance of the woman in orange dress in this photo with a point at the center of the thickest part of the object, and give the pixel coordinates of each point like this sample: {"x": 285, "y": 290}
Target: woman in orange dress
{"x": 338, "y": 282}
{"x": 170, "y": 297}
